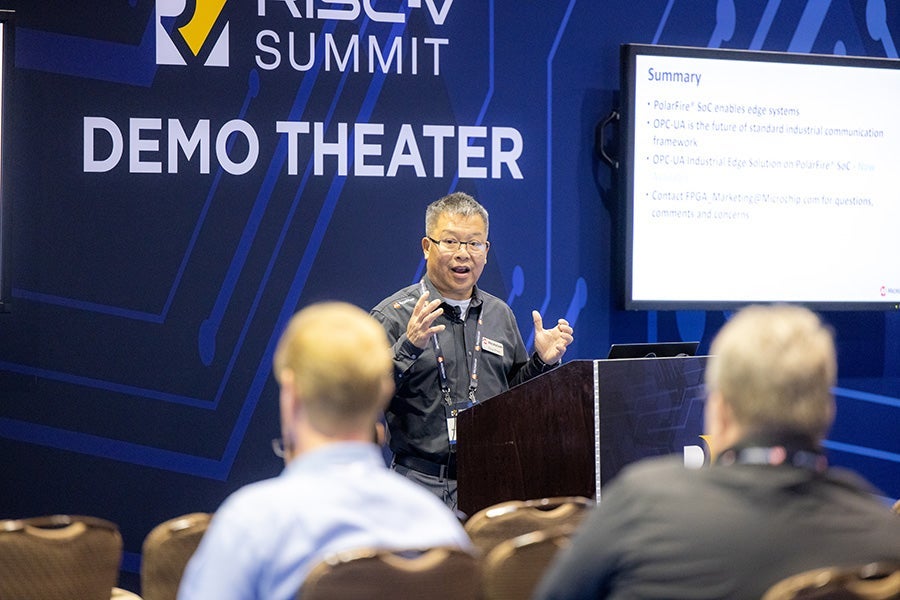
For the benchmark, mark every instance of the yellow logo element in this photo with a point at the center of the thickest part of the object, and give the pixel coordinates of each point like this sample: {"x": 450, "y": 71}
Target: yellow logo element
{"x": 196, "y": 33}
{"x": 705, "y": 438}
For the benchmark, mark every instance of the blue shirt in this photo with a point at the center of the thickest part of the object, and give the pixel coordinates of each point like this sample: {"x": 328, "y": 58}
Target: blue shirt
{"x": 266, "y": 537}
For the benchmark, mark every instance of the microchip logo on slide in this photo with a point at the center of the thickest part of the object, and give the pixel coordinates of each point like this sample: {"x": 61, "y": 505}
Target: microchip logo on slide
{"x": 203, "y": 33}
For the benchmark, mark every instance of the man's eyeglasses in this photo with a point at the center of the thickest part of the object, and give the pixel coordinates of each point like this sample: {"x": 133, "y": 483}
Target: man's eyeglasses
{"x": 451, "y": 245}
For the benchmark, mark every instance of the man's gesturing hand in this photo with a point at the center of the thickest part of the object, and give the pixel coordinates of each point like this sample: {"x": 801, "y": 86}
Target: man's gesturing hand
{"x": 420, "y": 328}
{"x": 550, "y": 344}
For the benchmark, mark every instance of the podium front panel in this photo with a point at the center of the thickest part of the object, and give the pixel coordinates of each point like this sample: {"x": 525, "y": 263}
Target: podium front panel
{"x": 571, "y": 430}
{"x": 647, "y": 407}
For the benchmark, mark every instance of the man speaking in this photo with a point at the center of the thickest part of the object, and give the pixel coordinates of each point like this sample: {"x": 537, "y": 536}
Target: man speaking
{"x": 454, "y": 345}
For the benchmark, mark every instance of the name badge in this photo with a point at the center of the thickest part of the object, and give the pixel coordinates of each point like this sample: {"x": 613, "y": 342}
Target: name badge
{"x": 491, "y": 346}
{"x": 451, "y": 430}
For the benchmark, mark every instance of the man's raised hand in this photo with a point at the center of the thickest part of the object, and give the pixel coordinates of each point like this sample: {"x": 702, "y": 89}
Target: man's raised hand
{"x": 420, "y": 326}
{"x": 550, "y": 344}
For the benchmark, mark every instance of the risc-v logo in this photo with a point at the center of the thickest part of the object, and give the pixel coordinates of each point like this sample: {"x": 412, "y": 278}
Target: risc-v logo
{"x": 184, "y": 35}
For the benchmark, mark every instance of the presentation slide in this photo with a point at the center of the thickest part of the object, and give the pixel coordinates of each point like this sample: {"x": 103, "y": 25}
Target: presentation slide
{"x": 759, "y": 180}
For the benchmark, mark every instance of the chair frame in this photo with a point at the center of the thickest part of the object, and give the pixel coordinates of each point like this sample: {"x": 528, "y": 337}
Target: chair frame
{"x": 47, "y": 544}
{"x": 490, "y": 526}
{"x": 870, "y": 581}
{"x": 164, "y": 556}
{"x": 400, "y": 576}
{"x": 514, "y": 567}
{"x": 55, "y": 522}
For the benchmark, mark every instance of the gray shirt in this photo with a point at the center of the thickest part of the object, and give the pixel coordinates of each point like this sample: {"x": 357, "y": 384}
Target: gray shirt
{"x": 663, "y": 531}
{"x": 416, "y": 416}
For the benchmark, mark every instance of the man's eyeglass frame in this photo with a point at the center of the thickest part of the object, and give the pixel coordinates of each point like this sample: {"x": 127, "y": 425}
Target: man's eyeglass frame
{"x": 473, "y": 246}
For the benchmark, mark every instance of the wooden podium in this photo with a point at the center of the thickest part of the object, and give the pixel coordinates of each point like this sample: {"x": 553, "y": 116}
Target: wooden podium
{"x": 569, "y": 431}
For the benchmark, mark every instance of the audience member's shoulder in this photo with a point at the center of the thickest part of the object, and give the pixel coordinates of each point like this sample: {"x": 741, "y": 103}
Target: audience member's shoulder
{"x": 425, "y": 511}
{"x": 417, "y": 498}
{"x": 853, "y": 481}
{"x": 252, "y": 492}
{"x": 413, "y": 493}
{"x": 657, "y": 470}
{"x": 247, "y": 509}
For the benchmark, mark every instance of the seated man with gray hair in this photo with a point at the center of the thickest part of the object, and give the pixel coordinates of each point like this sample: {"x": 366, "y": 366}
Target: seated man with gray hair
{"x": 768, "y": 507}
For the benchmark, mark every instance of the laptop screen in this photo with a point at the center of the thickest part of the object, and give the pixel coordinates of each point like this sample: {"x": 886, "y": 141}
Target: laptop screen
{"x": 653, "y": 349}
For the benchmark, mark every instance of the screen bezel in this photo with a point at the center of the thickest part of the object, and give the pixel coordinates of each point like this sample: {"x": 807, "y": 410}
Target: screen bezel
{"x": 7, "y": 29}
{"x": 628, "y": 59}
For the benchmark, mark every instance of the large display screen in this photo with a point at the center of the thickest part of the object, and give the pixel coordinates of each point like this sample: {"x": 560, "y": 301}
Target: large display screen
{"x": 759, "y": 177}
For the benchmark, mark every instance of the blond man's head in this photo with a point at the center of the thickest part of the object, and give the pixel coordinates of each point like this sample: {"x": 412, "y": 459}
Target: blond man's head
{"x": 774, "y": 367}
{"x": 336, "y": 361}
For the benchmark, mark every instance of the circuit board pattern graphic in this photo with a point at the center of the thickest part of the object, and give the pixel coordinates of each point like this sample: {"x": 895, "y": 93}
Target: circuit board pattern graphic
{"x": 148, "y": 306}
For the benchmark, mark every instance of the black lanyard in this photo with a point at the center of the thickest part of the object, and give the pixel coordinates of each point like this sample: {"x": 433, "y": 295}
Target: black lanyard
{"x": 442, "y": 367}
